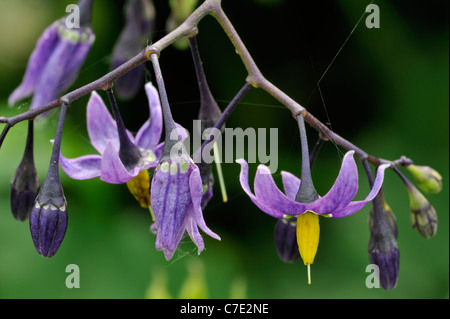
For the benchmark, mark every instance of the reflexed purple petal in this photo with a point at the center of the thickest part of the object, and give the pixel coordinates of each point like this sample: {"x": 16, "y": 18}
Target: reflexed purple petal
{"x": 83, "y": 167}
{"x": 243, "y": 178}
{"x": 291, "y": 184}
{"x": 267, "y": 192}
{"x": 101, "y": 125}
{"x": 343, "y": 190}
{"x": 195, "y": 185}
{"x": 36, "y": 63}
{"x": 112, "y": 169}
{"x": 353, "y": 207}
{"x": 192, "y": 229}
{"x": 150, "y": 133}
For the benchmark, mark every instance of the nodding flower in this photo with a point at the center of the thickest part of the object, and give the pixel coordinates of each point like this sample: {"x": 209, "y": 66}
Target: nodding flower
{"x": 56, "y": 60}
{"x": 122, "y": 156}
{"x": 301, "y": 201}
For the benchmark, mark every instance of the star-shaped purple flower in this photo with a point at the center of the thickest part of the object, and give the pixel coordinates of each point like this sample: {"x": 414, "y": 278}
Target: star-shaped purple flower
{"x": 337, "y": 203}
{"x": 102, "y": 129}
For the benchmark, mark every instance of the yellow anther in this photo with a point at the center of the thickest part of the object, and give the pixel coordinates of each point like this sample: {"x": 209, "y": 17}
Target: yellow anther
{"x": 139, "y": 187}
{"x": 308, "y": 231}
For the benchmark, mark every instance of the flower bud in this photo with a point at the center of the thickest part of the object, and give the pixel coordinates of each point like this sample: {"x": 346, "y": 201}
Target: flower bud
{"x": 136, "y": 34}
{"x": 48, "y": 218}
{"x": 383, "y": 252}
{"x": 24, "y": 189}
{"x": 25, "y": 182}
{"x": 423, "y": 216}
{"x": 286, "y": 239}
{"x": 388, "y": 215}
{"x": 428, "y": 179}
{"x": 383, "y": 248}
{"x": 48, "y": 224}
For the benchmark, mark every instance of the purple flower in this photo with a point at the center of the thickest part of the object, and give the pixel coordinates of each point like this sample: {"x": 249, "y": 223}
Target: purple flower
{"x": 55, "y": 61}
{"x": 337, "y": 203}
{"x": 176, "y": 198}
{"x": 104, "y": 136}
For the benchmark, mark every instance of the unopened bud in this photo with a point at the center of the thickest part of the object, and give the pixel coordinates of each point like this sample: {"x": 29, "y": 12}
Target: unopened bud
{"x": 24, "y": 189}
{"x": 423, "y": 216}
{"x": 427, "y": 178}
{"x": 286, "y": 239}
{"x": 48, "y": 224}
{"x": 25, "y": 182}
{"x": 383, "y": 252}
{"x": 389, "y": 216}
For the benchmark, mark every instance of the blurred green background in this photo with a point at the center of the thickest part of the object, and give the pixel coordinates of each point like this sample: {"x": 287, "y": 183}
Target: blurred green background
{"x": 386, "y": 91}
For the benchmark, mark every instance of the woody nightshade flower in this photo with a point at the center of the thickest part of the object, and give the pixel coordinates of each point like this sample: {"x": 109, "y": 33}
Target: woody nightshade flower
{"x": 56, "y": 60}
{"x": 337, "y": 203}
{"x": 48, "y": 218}
{"x": 176, "y": 190}
{"x": 122, "y": 156}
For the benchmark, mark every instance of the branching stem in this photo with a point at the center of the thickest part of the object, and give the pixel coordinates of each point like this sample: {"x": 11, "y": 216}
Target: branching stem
{"x": 188, "y": 29}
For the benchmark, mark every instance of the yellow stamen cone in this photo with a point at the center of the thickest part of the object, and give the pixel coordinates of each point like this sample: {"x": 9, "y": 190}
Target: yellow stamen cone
{"x": 139, "y": 187}
{"x": 308, "y": 231}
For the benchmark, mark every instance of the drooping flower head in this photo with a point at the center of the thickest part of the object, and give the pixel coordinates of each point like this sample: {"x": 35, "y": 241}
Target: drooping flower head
{"x": 176, "y": 190}
{"x": 56, "y": 60}
{"x": 176, "y": 199}
{"x": 122, "y": 156}
{"x": 301, "y": 200}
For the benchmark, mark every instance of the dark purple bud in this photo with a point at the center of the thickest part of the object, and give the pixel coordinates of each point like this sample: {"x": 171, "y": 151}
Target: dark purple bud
{"x": 387, "y": 261}
{"x": 389, "y": 216}
{"x": 24, "y": 189}
{"x": 286, "y": 239}
{"x": 48, "y": 218}
{"x": 383, "y": 248}
{"x": 48, "y": 224}
{"x": 25, "y": 182}
{"x": 136, "y": 34}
